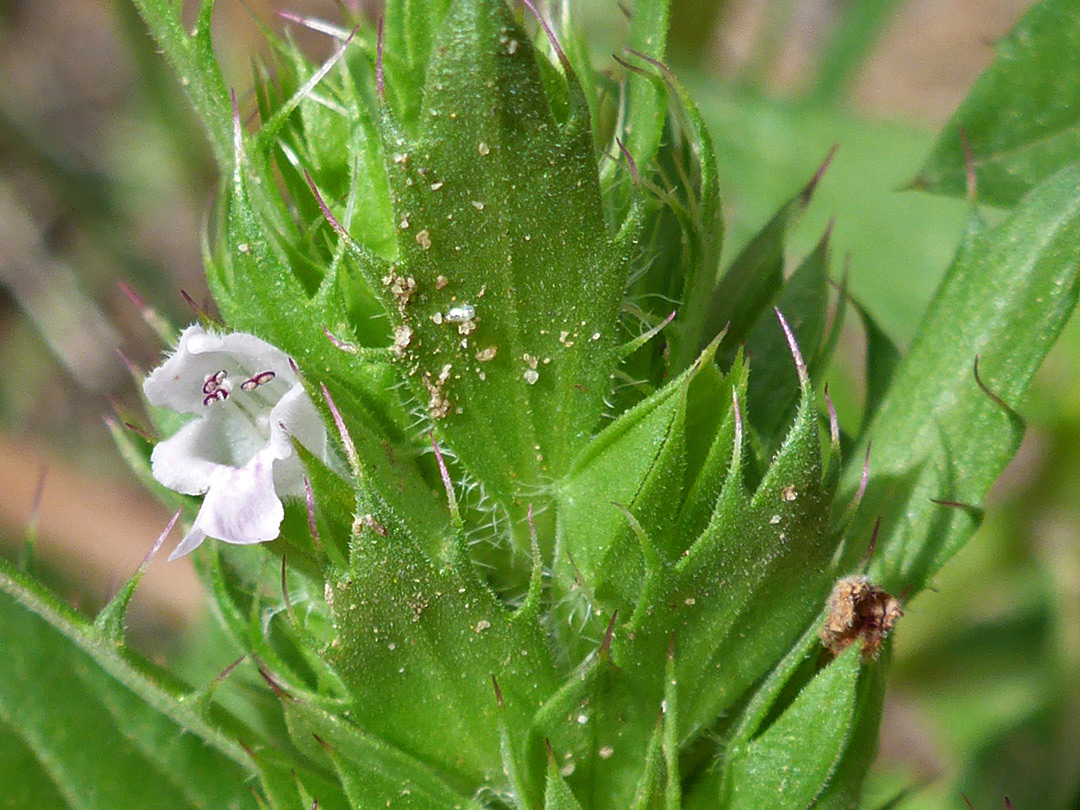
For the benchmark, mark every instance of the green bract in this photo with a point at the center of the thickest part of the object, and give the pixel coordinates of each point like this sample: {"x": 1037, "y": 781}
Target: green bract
{"x": 587, "y": 502}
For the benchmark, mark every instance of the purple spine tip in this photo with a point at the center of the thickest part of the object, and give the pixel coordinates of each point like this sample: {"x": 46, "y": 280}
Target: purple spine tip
{"x": 737, "y": 444}
{"x": 872, "y": 545}
{"x": 609, "y": 634}
{"x": 634, "y": 173}
{"x": 994, "y": 397}
{"x": 225, "y": 673}
{"x": 834, "y": 422}
{"x": 161, "y": 539}
{"x": 548, "y": 32}
{"x": 448, "y": 484}
{"x": 132, "y": 296}
{"x": 656, "y": 63}
{"x": 532, "y": 525}
{"x": 338, "y": 342}
{"x": 337, "y": 226}
{"x": 800, "y": 364}
{"x": 808, "y": 191}
{"x": 971, "y": 177}
{"x": 864, "y": 480}
{"x": 343, "y": 431}
{"x": 132, "y": 366}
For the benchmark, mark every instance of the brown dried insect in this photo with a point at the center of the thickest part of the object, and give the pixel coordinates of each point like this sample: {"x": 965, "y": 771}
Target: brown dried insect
{"x": 859, "y": 611}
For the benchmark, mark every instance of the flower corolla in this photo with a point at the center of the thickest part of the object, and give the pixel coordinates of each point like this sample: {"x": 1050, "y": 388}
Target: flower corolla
{"x": 248, "y": 405}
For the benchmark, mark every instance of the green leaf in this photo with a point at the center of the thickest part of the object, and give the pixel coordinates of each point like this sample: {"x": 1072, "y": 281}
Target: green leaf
{"x": 102, "y": 745}
{"x": 937, "y": 434}
{"x": 788, "y": 765}
{"x": 687, "y": 229}
{"x": 736, "y": 598}
{"x": 845, "y": 787}
{"x": 480, "y": 195}
{"x": 897, "y": 243}
{"x": 26, "y": 782}
{"x": 418, "y": 646}
{"x": 286, "y": 789}
{"x": 110, "y": 620}
{"x": 646, "y": 104}
{"x": 1022, "y": 118}
{"x": 258, "y": 292}
{"x": 192, "y": 57}
{"x": 638, "y": 464}
{"x": 773, "y": 382}
{"x": 746, "y": 588}
{"x": 372, "y": 773}
{"x": 557, "y": 794}
{"x": 411, "y": 29}
{"x": 23, "y": 599}
{"x": 606, "y": 731}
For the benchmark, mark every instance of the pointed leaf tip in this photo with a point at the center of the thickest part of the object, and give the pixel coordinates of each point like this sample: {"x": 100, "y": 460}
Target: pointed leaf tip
{"x": 811, "y": 187}
{"x": 737, "y": 412}
{"x": 380, "y": 80}
{"x": 309, "y": 500}
{"x": 548, "y": 32}
{"x": 161, "y": 539}
{"x": 275, "y": 687}
{"x": 634, "y": 173}
{"x": 609, "y": 634}
{"x": 137, "y": 373}
{"x": 871, "y": 546}
{"x": 448, "y": 484}
{"x": 800, "y": 364}
{"x": 285, "y": 592}
{"x": 350, "y": 449}
{"x": 326, "y": 212}
{"x": 110, "y": 621}
{"x": 338, "y": 343}
{"x": 834, "y": 422}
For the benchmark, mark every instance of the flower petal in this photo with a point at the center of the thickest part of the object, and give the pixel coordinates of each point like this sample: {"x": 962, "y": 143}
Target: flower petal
{"x": 192, "y": 540}
{"x": 239, "y": 451}
{"x": 295, "y": 417}
{"x": 241, "y": 505}
{"x": 179, "y": 383}
{"x": 188, "y": 461}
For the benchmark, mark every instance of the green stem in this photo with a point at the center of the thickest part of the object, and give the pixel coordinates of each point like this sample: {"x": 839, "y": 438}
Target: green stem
{"x": 192, "y": 57}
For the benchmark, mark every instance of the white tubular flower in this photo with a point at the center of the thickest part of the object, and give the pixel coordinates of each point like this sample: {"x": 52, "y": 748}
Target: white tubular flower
{"x": 238, "y": 451}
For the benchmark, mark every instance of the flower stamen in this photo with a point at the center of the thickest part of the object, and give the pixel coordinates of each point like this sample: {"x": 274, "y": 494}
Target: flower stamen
{"x": 217, "y": 395}
{"x": 262, "y": 378}
{"x": 213, "y": 381}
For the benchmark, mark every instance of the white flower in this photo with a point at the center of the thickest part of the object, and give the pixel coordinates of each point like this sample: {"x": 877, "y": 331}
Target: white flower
{"x": 238, "y": 451}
